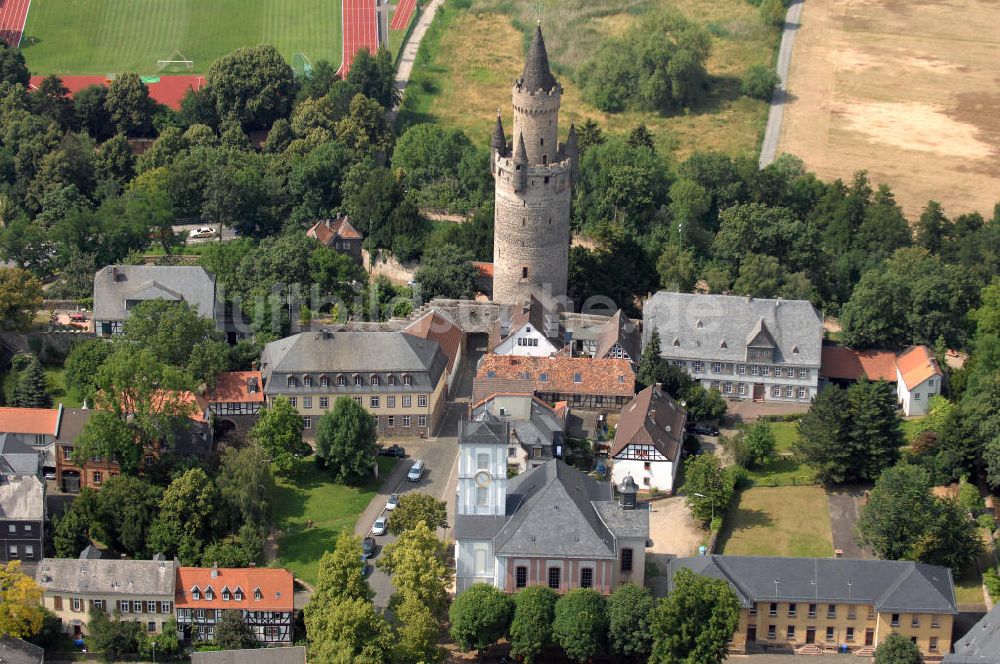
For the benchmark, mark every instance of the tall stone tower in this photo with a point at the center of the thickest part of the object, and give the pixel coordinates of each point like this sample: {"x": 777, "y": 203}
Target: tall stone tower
{"x": 534, "y": 177}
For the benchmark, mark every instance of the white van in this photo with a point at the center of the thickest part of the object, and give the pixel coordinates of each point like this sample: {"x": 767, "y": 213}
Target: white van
{"x": 416, "y": 471}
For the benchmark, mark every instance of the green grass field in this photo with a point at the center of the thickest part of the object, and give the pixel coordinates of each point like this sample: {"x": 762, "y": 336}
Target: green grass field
{"x": 105, "y": 36}
{"x": 785, "y": 521}
{"x": 785, "y": 434}
{"x": 306, "y": 493}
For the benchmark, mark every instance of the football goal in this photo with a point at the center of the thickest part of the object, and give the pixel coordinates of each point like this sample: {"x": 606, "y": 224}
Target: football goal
{"x": 301, "y": 65}
{"x": 176, "y": 62}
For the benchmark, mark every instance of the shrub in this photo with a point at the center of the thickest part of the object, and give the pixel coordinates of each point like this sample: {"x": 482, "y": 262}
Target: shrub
{"x": 759, "y": 82}
{"x": 986, "y": 521}
{"x": 992, "y": 581}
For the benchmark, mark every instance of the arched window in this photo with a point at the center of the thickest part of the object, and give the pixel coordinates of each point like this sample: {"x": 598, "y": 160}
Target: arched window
{"x": 390, "y": 380}
{"x": 293, "y": 381}
{"x": 341, "y": 381}
{"x": 307, "y": 381}
{"x": 359, "y": 380}
{"x": 375, "y": 380}
{"x": 324, "y": 381}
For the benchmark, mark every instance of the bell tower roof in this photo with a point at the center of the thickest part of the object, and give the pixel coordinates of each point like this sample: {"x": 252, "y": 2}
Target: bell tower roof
{"x": 536, "y": 74}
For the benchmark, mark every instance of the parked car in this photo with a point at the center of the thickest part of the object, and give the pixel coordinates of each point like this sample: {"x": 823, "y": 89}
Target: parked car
{"x": 392, "y": 502}
{"x": 203, "y": 232}
{"x": 381, "y": 525}
{"x": 703, "y": 429}
{"x": 601, "y": 467}
{"x": 416, "y": 471}
{"x": 392, "y": 451}
{"x": 367, "y": 548}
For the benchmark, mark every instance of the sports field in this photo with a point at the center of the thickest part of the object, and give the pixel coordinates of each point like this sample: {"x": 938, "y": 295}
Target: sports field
{"x": 106, "y": 36}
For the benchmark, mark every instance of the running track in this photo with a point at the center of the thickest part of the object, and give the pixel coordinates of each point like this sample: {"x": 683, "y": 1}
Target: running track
{"x": 360, "y": 24}
{"x": 401, "y": 18}
{"x": 13, "y": 14}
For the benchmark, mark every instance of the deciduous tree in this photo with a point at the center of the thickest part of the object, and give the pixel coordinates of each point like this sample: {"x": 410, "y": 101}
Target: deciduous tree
{"x": 341, "y": 575}
{"x": 233, "y": 633}
{"x": 446, "y": 273}
{"x": 129, "y": 106}
{"x": 416, "y": 507}
{"x": 630, "y": 610}
{"x": 20, "y": 298}
{"x": 346, "y": 441}
{"x": 246, "y": 484}
{"x": 581, "y": 624}
{"x": 20, "y": 602}
{"x": 531, "y": 628}
{"x": 704, "y": 475}
{"x": 171, "y": 330}
{"x": 897, "y": 649}
{"x": 254, "y": 84}
{"x": 417, "y": 634}
{"x": 694, "y": 623}
{"x": 279, "y": 432}
{"x": 418, "y": 563}
{"x": 349, "y": 630}
{"x": 480, "y": 616}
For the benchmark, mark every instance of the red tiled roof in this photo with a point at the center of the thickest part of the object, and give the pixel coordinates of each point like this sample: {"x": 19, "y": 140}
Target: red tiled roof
{"x": 326, "y": 230}
{"x": 485, "y": 269}
{"x": 231, "y": 387}
{"x": 847, "y": 364}
{"x": 604, "y": 377}
{"x": 917, "y": 364}
{"x": 434, "y": 326}
{"x": 29, "y": 420}
{"x": 275, "y": 585}
{"x": 651, "y": 418}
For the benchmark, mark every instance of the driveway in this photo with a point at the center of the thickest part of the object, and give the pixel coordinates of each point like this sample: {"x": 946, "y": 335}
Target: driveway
{"x": 674, "y": 533}
{"x": 440, "y": 456}
{"x": 845, "y": 508}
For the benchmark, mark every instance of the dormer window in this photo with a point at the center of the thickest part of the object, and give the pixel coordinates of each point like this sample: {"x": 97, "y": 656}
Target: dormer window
{"x": 359, "y": 381}
{"x": 226, "y": 594}
{"x": 341, "y": 381}
{"x": 238, "y": 595}
{"x": 195, "y": 593}
{"x": 795, "y": 350}
{"x": 390, "y": 380}
{"x": 324, "y": 381}
{"x": 257, "y": 595}
{"x": 375, "y": 380}
{"x": 209, "y": 593}
{"x": 699, "y": 324}
{"x": 677, "y": 342}
{"x": 407, "y": 380}
{"x": 722, "y": 344}
{"x": 307, "y": 381}
{"x": 293, "y": 381}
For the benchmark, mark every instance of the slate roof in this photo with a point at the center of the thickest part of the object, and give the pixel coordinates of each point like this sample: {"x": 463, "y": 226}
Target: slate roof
{"x": 981, "y": 644}
{"x": 557, "y": 374}
{"x": 17, "y": 458}
{"x": 623, "y": 331}
{"x": 889, "y": 585}
{"x": 536, "y": 74}
{"x": 111, "y": 576}
{"x": 191, "y": 284}
{"x": 543, "y": 426}
{"x": 553, "y": 510}
{"x": 286, "y": 655}
{"x": 719, "y": 327}
{"x": 916, "y": 364}
{"x": 651, "y": 418}
{"x": 22, "y": 498}
{"x": 539, "y": 315}
{"x": 18, "y": 651}
{"x": 487, "y": 430}
{"x": 436, "y": 326}
{"x": 349, "y": 352}
{"x": 71, "y": 424}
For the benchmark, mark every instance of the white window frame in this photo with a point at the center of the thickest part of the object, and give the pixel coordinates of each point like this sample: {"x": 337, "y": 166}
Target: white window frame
{"x": 421, "y": 401}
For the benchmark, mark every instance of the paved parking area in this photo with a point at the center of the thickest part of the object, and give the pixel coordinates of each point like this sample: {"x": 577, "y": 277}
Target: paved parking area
{"x": 845, "y": 508}
{"x": 674, "y": 533}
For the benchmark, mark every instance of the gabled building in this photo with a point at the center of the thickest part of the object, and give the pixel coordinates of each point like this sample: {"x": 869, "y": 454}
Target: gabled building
{"x": 827, "y": 603}
{"x": 981, "y": 644}
{"x": 139, "y": 590}
{"x": 530, "y": 328}
{"x": 236, "y": 400}
{"x": 533, "y": 430}
{"x": 29, "y": 431}
{"x": 264, "y": 596}
{"x": 339, "y": 235}
{"x": 22, "y": 518}
{"x": 581, "y": 382}
{"x": 435, "y": 325}
{"x": 648, "y": 441}
{"x": 915, "y": 373}
{"x": 620, "y": 339}
{"x": 744, "y": 347}
{"x": 119, "y": 288}
{"x": 399, "y": 378}
{"x": 551, "y": 525}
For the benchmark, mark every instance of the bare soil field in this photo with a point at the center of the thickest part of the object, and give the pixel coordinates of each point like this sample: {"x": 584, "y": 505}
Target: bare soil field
{"x": 905, "y": 89}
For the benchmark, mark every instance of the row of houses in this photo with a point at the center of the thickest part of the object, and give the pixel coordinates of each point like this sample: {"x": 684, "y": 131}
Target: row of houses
{"x": 152, "y": 592}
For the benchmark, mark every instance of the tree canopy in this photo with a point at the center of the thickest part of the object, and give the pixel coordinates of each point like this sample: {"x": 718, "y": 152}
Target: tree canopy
{"x": 346, "y": 441}
{"x": 694, "y": 623}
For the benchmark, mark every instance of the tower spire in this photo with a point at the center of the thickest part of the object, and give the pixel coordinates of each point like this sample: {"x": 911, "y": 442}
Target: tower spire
{"x": 499, "y": 142}
{"x": 520, "y": 152}
{"x": 536, "y": 74}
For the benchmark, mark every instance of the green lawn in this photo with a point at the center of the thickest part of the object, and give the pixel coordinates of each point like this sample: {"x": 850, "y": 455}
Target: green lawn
{"x": 784, "y": 521}
{"x": 306, "y": 493}
{"x": 57, "y": 388}
{"x": 785, "y": 434}
{"x": 105, "y": 36}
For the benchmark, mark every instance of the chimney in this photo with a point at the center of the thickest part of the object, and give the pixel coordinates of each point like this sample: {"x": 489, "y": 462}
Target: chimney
{"x": 215, "y": 570}
{"x": 253, "y": 365}
{"x": 114, "y": 273}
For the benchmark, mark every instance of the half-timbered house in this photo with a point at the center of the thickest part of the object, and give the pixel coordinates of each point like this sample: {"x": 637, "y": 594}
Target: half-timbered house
{"x": 648, "y": 440}
{"x": 582, "y": 382}
{"x": 263, "y": 596}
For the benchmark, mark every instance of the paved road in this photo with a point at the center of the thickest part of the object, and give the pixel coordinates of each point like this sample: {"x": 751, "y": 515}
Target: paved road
{"x": 769, "y": 148}
{"x": 227, "y": 233}
{"x": 845, "y": 509}
{"x": 409, "y": 55}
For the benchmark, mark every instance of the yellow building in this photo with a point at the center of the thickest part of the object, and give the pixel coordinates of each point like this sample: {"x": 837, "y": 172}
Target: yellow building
{"x": 139, "y": 590}
{"x": 834, "y": 603}
{"x": 399, "y": 378}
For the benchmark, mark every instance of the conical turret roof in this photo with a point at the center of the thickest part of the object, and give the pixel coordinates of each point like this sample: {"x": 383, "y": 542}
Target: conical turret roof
{"x": 520, "y": 152}
{"x": 536, "y": 72}
{"x": 499, "y": 138}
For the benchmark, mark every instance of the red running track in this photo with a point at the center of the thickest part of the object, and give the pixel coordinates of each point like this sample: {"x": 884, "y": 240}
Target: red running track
{"x": 401, "y": 18}
{"x": 360, "y": 25}
{"x": 169, "y": 90}
{"x": 13, "y": 14}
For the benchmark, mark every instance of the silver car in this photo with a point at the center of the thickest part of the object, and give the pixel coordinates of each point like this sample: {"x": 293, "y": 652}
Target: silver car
{"x": 381, "y": 525}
